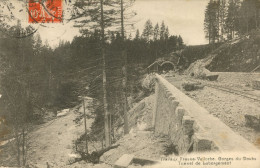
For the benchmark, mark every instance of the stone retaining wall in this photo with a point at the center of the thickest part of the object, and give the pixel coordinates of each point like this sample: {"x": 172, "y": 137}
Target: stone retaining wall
{"x": 190, "y": 126}
{"x": 134, "y": 113}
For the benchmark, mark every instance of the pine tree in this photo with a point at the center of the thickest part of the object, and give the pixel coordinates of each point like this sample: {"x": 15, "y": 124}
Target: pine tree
{"x": 180, "y": 42}
{"x": 148, "y": 30}
{"x": 232, "y": 18}
{"x": 101, "y": 16}
{"x": 222, "y": 16}
{"x": 166, "y": 33}
{"x": 248, "y": 15}
{"x": 162, "y": 31}
{"x": 156, "y": 32}
{"x": 112, "y": 36}
{"x": 124, "y": 69}
{"x": 130, "y": 36}
{"x": 211, "y": 21}
{"x": 137, "y": 35}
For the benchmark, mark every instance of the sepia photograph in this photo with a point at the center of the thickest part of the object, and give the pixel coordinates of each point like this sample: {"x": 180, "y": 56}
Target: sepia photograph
{"x": 129, "y": 83}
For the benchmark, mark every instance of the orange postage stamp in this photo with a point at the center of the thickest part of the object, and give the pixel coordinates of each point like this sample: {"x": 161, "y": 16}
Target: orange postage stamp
{"x": 45, "y": 11}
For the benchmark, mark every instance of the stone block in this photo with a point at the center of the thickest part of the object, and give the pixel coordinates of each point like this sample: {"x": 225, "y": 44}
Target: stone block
{"x": 172, "y": 98}
{"x": 124, "y": 161}
{"x": 256, "y": 84}
{"x": 173, "y": 104}
{"x": 197, "y": 127}
{"x": 179, "y": 113}
{"x": 202, "y": 143}
{"x": 212, "y": 77}
{"x": 183, "y": 143}
{"x": 253, "y": 121}
{"x": 144, "y": 162}
{"x": 187, "y": 124}
{"x": 168, "y": 94}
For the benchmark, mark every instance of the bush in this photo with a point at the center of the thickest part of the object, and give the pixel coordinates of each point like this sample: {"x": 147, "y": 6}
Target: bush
{"x": 67, "y": 95}
{"x": 170, "y": 149}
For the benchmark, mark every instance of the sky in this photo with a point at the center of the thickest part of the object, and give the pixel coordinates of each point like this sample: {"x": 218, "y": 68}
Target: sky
{"x": 183, "y": 17}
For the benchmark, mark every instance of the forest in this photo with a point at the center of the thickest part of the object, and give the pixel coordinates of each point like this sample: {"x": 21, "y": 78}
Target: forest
{"x": 227, "y": 19}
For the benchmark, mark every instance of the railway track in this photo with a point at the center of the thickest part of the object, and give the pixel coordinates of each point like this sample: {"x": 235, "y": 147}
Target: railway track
{"x": 231, "y": 90}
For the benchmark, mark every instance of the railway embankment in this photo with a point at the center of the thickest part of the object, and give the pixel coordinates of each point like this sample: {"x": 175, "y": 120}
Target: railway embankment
{"x": 231, "y": 99}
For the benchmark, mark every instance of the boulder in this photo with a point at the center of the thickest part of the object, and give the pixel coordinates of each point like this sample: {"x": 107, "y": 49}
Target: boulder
{"x": 253, "y": 121}
{"x": 212, "y": 77}
{"x": 190, "y": 86}
{"x": 124, "y": 161}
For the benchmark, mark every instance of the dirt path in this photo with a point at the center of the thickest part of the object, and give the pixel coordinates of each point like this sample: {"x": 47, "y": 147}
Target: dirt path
{"x": 53, "y": 141}
{"x": 142, "y": 144}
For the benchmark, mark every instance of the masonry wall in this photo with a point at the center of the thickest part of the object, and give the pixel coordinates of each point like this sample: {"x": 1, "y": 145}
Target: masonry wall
{"x": 190, "y": 126}
{"x": 134, "y": 113}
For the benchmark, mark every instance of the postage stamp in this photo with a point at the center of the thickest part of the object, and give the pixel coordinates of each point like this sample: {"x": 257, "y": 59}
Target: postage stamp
{"x": 45, "y": 11}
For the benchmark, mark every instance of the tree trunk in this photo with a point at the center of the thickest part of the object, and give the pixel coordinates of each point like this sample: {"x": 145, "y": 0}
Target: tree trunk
{"x": 106, "y": 121}
{"x": 247, "y": 21}
{"x": 106, "y": 114}
{"x": 50, "y": 77}
{"x": 256, "y": 17}
{"x": 209, "y": 32}
{"x": 124, "y": 55}
{"x": 218, "y": 20}
{"x": 85, "y": 124}
{"x": 17, "y": 145}
{"x": 122, "y": 20}
{"x": 126, "y": 129}
{"x": 23, "y": 149}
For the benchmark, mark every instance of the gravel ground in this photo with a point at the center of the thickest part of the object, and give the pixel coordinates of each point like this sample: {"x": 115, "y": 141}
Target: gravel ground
{"x": 238, "y": 80}
{"x": 143, "y": 144}
{"x": 229, "y": 108}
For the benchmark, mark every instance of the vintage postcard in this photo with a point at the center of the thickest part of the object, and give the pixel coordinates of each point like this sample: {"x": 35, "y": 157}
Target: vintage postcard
{"x": 130, "y": 83}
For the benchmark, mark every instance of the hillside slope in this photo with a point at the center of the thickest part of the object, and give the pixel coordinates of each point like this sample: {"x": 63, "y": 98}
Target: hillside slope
{"x": 241, "y": 55}
{"x": 238, "y": 55}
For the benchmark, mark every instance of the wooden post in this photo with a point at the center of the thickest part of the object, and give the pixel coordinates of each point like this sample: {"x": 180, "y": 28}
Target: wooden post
{"x": 85, "y": 124}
